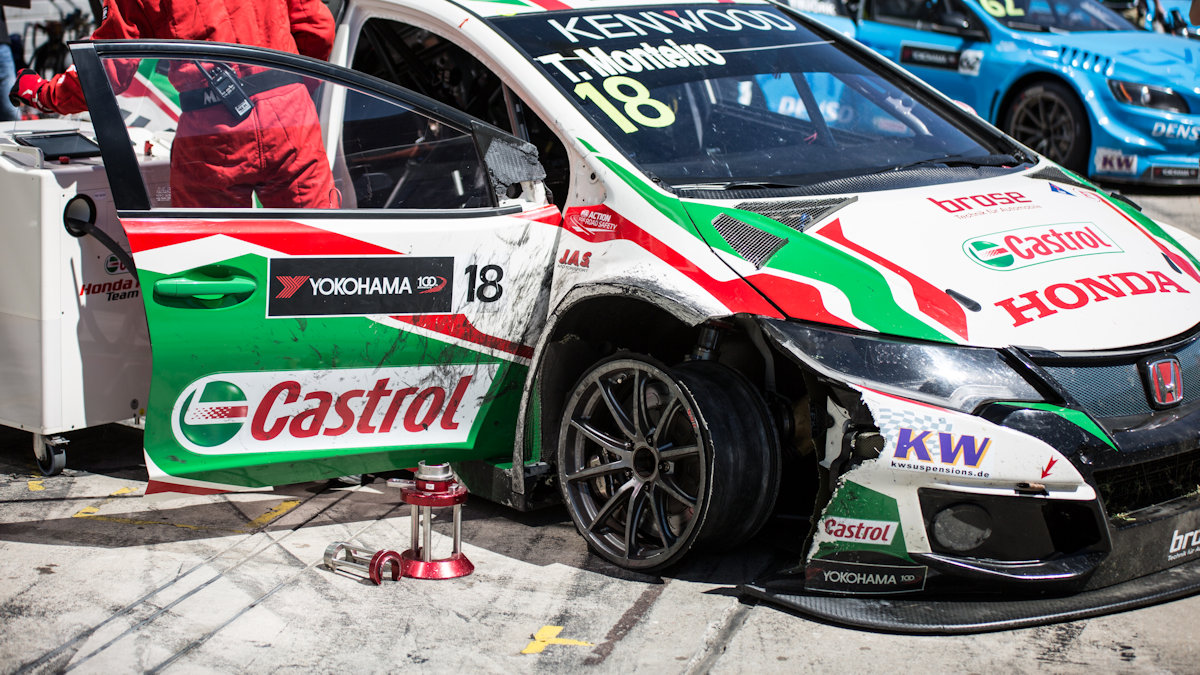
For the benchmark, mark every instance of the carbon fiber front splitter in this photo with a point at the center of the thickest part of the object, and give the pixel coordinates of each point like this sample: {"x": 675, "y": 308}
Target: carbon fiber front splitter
{"x": 933, "y": 616}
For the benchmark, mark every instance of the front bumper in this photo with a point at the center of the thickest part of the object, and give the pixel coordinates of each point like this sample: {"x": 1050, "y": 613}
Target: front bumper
{"x": 954, "y": 616}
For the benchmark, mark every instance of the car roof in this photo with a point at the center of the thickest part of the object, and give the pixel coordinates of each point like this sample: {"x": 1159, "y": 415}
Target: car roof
{"x": 499, "y": 8}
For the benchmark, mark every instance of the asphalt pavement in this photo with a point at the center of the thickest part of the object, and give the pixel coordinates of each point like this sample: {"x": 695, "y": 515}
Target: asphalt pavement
{"x": 95, "y": 578}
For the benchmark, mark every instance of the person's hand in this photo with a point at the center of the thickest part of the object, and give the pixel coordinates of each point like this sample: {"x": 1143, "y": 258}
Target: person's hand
{"x": 26, "y": 90}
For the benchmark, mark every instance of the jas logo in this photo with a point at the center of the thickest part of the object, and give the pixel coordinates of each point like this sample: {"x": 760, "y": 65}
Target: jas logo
{"x": 315, "y": 410}
{"x": 574, "y": 258}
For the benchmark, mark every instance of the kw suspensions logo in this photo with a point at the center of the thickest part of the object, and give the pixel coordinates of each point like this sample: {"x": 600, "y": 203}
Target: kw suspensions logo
{"x": 230, "y": 413}
{"x": 359, "y": 286}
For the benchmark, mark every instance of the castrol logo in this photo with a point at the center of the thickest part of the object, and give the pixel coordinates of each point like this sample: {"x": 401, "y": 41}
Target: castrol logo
{"x": 863, "y": 531}
{"x": 228, "y": 413}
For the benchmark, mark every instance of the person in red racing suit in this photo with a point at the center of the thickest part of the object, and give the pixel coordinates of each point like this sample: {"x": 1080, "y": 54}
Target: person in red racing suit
{"x": 276, "y": 152}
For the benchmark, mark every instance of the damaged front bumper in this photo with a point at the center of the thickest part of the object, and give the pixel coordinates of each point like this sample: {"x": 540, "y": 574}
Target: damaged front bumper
{"x": 1040, "y": 499}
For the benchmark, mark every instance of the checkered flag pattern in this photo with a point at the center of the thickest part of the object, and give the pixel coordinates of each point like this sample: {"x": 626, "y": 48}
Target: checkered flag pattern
{"x": 891, "y": 420}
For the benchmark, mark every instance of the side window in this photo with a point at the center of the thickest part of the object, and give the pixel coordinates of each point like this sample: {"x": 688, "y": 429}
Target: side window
{"x": 241, "y": 136}
{"x": 432, "y": 65}
{"x": 907, "y": 12}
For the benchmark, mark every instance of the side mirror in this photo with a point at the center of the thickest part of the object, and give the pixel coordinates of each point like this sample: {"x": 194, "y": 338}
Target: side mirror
{"x": 957, "y": 23}
{"x": 79, "y": 215}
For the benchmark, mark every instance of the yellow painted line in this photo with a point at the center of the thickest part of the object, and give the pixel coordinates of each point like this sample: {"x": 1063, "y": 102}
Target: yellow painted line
{"x": 92, "y": 513}
{"x": 36, "y": 486}
{"x": 264, "y": 519}
{"x": 548, "y": 635}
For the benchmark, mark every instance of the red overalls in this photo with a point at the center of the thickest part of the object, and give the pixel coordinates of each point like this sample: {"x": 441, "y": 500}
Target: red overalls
{"x": 276, "y": 152}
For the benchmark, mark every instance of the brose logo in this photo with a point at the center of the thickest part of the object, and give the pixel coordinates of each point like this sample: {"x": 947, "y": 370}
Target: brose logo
{"x": 308, "y": 410}
{"x": 1028, "y": 246}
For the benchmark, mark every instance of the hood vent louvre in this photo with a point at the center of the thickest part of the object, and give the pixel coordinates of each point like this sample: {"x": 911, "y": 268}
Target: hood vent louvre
{"x": 1059, "y": 176}
{"x": 1084, "y": 60}
{"x": 798, "y": 214}
{"x": 751, "y": 243}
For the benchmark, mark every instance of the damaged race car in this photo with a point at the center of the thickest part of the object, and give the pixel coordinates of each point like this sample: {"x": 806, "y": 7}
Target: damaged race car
{"x": 681, "y": 268}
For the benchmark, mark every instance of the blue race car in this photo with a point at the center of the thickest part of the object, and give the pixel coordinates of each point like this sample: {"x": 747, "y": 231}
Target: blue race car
{"x": 1070, "y": 78}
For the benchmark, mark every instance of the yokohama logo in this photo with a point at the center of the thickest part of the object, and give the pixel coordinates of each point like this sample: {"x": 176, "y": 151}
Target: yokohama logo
{"x": 231, "y": 413}
{"x": 290, "y": 286}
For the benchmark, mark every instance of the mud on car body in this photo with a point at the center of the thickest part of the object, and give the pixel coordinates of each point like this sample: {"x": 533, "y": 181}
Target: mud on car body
{"x": 803, "y": 285}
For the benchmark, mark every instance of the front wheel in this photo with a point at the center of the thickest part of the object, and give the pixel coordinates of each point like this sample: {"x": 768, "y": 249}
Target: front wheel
{"x": 654, "y": 461}
{"x": 1049, "y": 118}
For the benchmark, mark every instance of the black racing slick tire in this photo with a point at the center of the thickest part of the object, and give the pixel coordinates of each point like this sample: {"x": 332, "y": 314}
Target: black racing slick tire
{"x": 1049, "y": 118}
{"x": 654, "y": 462}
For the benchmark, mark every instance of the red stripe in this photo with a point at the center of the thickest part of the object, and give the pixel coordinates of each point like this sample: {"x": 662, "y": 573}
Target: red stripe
{"x": 550, "y": 4}
{"x": 737, "y": 294}
{"x": 138, "y": 88}
{"x": 548, "y": 214}
{"x": 1180, "y": 261}
{"x": 796, "y": 298}
{"x": 932, "y": 301}
{"x": 901, "y": 398}
{"x": 286, "y": 237}
{"x": 457, "y": 325}
{"x": 157, "y": 486}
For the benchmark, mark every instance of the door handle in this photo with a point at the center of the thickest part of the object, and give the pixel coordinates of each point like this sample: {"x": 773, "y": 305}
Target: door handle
{"x": 204, "y": 289}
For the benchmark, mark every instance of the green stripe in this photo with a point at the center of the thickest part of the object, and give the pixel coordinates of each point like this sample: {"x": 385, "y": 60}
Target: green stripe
{"x": 1076, "y": 417}
{"x": 867, "y": 289}
{"x": 148, "y": 69}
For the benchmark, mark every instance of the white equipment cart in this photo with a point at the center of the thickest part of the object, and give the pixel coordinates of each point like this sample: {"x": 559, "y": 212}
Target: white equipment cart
{"x": 76, "y": 351}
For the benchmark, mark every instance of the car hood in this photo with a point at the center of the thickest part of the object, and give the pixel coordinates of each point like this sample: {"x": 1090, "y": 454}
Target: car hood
{"x": 1141, "y": 56}
{"x": 1012, "y": 260}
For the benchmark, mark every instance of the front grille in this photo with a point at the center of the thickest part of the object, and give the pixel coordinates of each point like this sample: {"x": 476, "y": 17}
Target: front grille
{"x": 1115, "y": 389}
{"x": 1129, "y": 488}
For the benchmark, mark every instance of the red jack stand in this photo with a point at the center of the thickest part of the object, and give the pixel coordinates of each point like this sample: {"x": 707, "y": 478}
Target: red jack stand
{"x": 434, "y": 487}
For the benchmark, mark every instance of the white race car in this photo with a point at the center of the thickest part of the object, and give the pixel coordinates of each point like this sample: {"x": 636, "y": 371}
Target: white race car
{"x": 681, "y": 267}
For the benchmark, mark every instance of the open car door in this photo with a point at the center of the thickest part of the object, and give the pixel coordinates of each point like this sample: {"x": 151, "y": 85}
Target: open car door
{"x": 340, "y": 276}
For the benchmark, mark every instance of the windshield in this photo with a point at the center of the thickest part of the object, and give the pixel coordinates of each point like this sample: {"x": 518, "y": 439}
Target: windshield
{"x": 1064, "y": 16}
{"x": 715, "y": 95}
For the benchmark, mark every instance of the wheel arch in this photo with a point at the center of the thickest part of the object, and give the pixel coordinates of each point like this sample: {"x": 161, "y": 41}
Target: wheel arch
{"x": 1036, "y": 77}
{"x": 594, "y": 321}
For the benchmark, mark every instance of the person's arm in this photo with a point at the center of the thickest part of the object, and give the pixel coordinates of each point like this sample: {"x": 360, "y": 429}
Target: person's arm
{"x": 1194, "y": 13}
{"x": 62, "y": 93}
{"x": 312, "y": 27}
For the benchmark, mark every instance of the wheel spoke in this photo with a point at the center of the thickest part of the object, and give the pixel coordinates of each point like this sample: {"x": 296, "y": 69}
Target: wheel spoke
{"x": 614, "y": 407}
{"x": 607, "y": 442}
{"x": 678, "y": 453}
{"x": 664, "y": 420}
{"x": 674, "y": 492}
{"x": 610, "y": 507}
{"x": 594, "y": 471}
{"x": 657, "y": 510}
{"x": 633, "y": 516}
